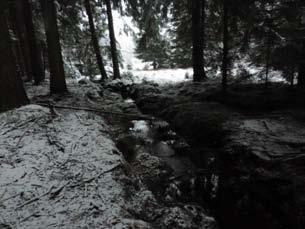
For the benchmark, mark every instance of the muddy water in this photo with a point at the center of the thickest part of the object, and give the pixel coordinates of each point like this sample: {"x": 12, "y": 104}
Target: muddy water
{"x": 187, "y": 182}
{"x": 160, "y": 141}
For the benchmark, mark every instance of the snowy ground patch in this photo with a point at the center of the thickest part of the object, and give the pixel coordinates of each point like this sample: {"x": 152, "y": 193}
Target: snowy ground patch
{"x": 163, "y": 76}
{"x": 58, "y": 171}
{"x": 60, "y": 168}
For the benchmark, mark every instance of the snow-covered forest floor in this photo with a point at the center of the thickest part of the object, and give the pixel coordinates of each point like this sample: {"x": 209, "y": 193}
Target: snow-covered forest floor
{"x": 91, "y": 159}
{"x": 60, "y": 168}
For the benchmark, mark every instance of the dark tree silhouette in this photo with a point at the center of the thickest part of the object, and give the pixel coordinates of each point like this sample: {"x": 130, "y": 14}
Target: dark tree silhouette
{"x": 36, "y": 61}
{"x": 57, "y": 74}
{"x": 17, "y": 46}
{"x": 17, "y": 15}
{"x": 12, "y": 93}
{"x": 198, "y": 39}
{"x": 94, "y": 39}
{"x": 114, "y": 53}
{"x": 225, "y": 41}
{"x": 301, "y": 68}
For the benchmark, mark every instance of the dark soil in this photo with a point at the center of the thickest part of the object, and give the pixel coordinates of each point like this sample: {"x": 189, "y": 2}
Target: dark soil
{"x": 253, "y": 137}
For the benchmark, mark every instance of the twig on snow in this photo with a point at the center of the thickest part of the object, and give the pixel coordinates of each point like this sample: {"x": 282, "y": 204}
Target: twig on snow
{"x": 54, "y": 194}
{"x": 93, "y": 178}
{"x": 34, "y": 121}
{"x": 137, "y": 116}
{"x": 35, "y": 214}
{"x": 11, "y": 197}
{"x": 34, "y": 199}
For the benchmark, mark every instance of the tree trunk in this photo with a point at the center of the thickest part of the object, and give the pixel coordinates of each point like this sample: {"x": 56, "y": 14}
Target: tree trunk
{"x": 114, "y": 52}
{"x": 301, "y": 68}
{"x": 23, "y": 38}
{"x": 36, "y": 61}
{"x": 203, "y": 18}
{"x": 95, "y": 42}
{"x": 19, "y": 58}
{"x": 12, "y": 93}
{"x": 17, "y": 44}
{"x": 57, "y": 74}
{"x": 268, "y": 54}
{"x": 225, "y": 61}
{"x": 197, "y": 32}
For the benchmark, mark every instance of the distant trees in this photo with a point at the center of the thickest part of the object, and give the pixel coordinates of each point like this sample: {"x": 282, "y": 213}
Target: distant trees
{"x": 57, "y": 74}
{"x": 12, "y": 93}
{"x": 182, "y": 34}
{"x": 211, "y": 36}
{"x": 151, "y": 44}
{"x": 231, "y": 32}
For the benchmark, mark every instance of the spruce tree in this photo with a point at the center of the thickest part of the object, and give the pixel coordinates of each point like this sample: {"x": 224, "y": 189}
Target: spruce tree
{"x": 94, "y": 40}
{"x": 198, "y": 40}
{"x": 12, "y": 93}
{"x": 225, "y": 40}
{"x": 57, "y": 74}
{"x": 114, "y": 52}
{"x": 35, "y": 57}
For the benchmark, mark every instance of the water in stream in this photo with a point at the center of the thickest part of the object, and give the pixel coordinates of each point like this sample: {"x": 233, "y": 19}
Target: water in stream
{"x": 187, "y": 182}
{"x": 162, "y": 148}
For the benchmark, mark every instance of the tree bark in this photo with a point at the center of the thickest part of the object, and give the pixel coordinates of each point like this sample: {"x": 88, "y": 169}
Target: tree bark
{"x": 17, "y": 43}
{"x": 57, "y": 74}
{"x": 114, "y": 52}
{"x": 36, "y": 61}
{"x": 95, "y": 42}
{"x": 225, "y": 46}
{"x": 198, "y": 40}
{"x": 203, "y": 20}
{"x": 12, "y": 93}
{"x": 23, "y": 38}
{"x": 301, "y": 68}
{"x": 268, "y": 54}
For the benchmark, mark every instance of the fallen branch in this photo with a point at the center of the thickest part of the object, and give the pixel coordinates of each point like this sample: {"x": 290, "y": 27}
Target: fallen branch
{"x": 54, "y": 194}
{"x": 137, "y": 116}
{"x": 34, "y": 199}
{"x": 34, "y": 121}
{"x": 35, "y": 214}
{"x": 93, "y": 178}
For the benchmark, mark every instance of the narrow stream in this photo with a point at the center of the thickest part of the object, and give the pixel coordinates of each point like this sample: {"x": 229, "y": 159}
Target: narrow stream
{"x": 187, "y": 182}
{"x": 161, "y": 142}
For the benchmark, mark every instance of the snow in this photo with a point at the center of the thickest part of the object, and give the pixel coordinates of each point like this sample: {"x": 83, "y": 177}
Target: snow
{"x": 257, "y": 73}
{"x": 163, "y": 76}
{"x": 140, "y": 126}
{"x": 63, "y": 170}
{"x": 41, "y": 156}
{"x": 125, "y": 31}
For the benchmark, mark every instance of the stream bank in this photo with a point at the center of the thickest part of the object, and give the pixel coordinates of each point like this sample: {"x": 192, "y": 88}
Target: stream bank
{"x": 80, "y": 160}
{"x": 256, "y": 150}
{"x": 162, "y": 183}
